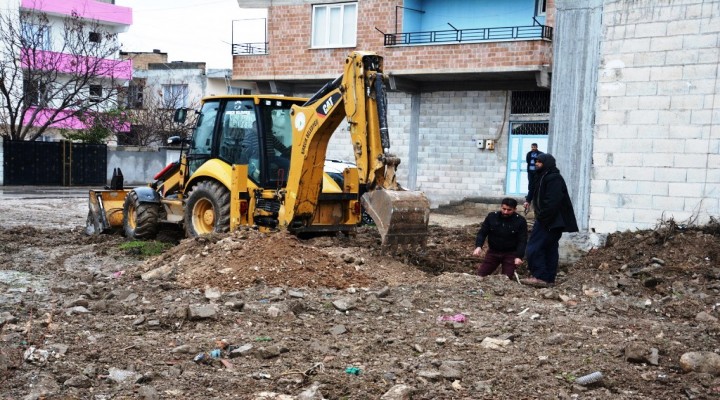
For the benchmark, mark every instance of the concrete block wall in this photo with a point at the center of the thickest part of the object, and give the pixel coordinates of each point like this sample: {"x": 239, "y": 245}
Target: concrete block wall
{"x": 449, "y": 166}
{"x": 138, "y": 165}
{"x": 656, "y": 149}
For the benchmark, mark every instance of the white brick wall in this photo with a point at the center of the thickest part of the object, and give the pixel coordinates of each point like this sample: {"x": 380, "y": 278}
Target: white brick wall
{"x": 655, "y": 151}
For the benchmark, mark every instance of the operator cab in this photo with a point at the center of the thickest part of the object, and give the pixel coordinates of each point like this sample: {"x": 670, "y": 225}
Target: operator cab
{"x": 249, "y": 130}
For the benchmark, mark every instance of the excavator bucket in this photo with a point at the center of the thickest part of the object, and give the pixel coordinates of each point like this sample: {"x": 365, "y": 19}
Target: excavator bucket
{"x": 401, "y": 216}
{"x": 105, "y": 211}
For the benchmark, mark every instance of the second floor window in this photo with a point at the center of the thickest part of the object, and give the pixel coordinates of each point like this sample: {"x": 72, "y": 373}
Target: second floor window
{"x": 35, "y": 93}
{"x": 135, "y": 96}
{"x": 35, "y": 36}
{"x": 175, "y": 96}
{"x": 334, "y": 25}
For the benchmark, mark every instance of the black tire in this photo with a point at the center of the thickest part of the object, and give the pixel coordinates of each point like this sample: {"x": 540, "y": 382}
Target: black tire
{"x": 207, "y": 209}
{"x": 140, "y": 220}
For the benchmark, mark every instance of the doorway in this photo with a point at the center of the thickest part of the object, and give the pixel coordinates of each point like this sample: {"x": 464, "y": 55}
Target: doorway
{"x": 522, "y": 135}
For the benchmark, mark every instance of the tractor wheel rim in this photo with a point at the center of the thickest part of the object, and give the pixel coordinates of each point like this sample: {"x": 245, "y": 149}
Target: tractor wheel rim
{"x": 132, "y": 216}
{"x": 204, "y": 217}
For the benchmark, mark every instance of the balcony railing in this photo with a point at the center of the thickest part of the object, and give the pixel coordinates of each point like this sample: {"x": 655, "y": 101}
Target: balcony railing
{"x": 470, "y": 35}
{"x": 246, "y": 49}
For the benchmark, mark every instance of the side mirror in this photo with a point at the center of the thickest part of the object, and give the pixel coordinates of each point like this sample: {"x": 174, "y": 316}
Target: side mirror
{"x": 176, "y": 140}
{"x": 180, "y": 115}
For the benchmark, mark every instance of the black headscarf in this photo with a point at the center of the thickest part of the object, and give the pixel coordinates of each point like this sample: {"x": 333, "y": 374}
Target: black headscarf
{"x": 548, "y": 163}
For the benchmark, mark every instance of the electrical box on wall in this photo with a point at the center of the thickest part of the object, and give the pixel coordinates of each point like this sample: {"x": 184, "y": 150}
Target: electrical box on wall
{"x": 480, "y": 143}
{"x": 489, "y": 144}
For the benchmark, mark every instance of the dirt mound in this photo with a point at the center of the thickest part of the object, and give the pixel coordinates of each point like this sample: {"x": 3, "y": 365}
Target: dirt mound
{"x": 247, "y": 257}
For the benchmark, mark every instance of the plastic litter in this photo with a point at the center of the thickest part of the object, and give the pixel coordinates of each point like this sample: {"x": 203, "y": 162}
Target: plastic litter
{"x": 452, "y": 318}
{"x": 263, "y": 339}
{"x": 589, "y": 378}
{"x": 202, "y": 358}
{"x": 352, "y": 370}
{"x": 217, "y": 353}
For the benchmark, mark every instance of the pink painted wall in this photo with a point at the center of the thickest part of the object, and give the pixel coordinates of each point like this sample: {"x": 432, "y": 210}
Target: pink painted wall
{"x": 87, "y": 9}
{"x": 50, "y": 60}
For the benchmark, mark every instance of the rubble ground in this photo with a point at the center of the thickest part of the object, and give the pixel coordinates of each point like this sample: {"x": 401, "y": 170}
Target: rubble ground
{"x": 253, "y": 315}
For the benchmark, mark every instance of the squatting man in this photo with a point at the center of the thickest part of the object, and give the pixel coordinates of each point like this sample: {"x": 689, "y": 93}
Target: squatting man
{"x": 506, "y": 234}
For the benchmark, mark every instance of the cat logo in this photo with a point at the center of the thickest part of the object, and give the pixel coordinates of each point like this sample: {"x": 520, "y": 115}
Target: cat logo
{"x": 328, "y": 105}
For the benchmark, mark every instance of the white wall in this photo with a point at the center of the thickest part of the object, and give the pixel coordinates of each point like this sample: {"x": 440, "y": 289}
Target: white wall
{"x": 656, "y": 149}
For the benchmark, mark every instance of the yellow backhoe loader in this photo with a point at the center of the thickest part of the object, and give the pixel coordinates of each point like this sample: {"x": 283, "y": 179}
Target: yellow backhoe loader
{"x": 258, "y": 161}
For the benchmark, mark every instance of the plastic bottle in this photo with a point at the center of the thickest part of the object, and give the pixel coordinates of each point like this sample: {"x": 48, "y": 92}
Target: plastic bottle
{"x": 589, "y": 378}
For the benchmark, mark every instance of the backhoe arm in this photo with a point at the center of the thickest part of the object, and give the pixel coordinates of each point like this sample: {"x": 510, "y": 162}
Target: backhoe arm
{"x": 359, "y": 96}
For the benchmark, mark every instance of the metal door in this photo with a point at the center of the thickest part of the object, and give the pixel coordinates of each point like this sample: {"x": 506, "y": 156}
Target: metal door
{"x": 522, "y": 135}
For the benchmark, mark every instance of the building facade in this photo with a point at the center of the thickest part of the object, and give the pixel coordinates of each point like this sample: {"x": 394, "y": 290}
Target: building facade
{"x": 158, "y": 87}
{"x": 469, "y": 81}
{"x": 57, "y": 52}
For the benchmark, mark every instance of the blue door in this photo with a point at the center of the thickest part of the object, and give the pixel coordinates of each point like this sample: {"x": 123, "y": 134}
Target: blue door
{"x": 522, "y": 135}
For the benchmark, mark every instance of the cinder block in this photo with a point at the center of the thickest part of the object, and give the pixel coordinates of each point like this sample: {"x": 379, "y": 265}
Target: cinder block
{"x": 680, "y": 27}
{"x": 681, "y": 57}
{"x": 658, "y": 160}
{"x": 641, "y": 88}
{"x": 653, "y": 102}
{"x": 642, "y": 117}
{"x": 685, "y": 189}
{"x": 653, "y": 29}
{"x": 653, "y": 188}
{"x": 666, "y": 73}
{"x": 690, "y": 160}
{"x": 666, "y": 43}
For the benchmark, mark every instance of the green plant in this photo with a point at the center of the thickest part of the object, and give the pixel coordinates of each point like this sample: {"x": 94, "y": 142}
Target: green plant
{"x": 567, "y": 377}
{"x": 145, "y": 248}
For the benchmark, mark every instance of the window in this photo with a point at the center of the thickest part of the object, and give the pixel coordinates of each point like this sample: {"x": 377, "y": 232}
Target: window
{"x": 535, "y": 102}
{"x": 95, "y": 90}
{"x": 94, "y": 37}
{"x": 334, "y": 25}
{"x": 237, "y": 90}
{"x": 135, "y": 96}
{"x": 175, "y": 96}
{"x": 35, "y": 36}
{"x": 35, "y": 93}
{"x": 540, "y": 7}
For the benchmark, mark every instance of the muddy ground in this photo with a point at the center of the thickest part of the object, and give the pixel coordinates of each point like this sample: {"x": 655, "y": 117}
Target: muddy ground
{"x": 268, "y": 316}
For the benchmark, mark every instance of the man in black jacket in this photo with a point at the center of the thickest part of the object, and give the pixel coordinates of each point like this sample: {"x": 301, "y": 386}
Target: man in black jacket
{"x": 554, "y": 215}
{"x": 530, "y": 159}
{"x": 506, "y": 233}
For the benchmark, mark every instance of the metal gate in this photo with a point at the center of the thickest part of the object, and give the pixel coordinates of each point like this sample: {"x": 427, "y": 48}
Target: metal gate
{"x": 54, "y": 163}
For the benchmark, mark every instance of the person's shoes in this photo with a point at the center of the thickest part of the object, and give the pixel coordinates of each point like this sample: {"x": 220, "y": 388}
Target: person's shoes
{"x": 535, "y": 282}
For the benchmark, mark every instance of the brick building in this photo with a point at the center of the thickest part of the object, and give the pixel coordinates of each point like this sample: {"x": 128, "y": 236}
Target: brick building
{"x": 462, "y": 75}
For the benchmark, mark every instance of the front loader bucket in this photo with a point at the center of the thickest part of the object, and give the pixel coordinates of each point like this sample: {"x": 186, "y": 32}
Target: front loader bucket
{"x": 105, "y": 211}
{"x": 401, "y": 216}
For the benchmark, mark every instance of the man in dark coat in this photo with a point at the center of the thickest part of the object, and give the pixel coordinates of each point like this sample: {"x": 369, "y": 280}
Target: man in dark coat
{"x": 554, "y": 215}
{"x": 506, "y": 233}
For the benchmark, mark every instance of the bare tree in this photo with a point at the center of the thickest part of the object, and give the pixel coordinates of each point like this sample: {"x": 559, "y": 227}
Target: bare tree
{"x": 152, "y": 116}
{"x": 48, "y": 83}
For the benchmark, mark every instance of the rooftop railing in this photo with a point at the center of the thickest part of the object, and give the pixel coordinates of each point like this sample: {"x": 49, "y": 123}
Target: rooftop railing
{"x": 245, "y": 49}
{"x": 470, "y": 35}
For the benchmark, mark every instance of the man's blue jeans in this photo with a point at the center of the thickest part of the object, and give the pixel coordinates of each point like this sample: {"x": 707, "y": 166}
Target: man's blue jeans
{"x": 542, "y": 252}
